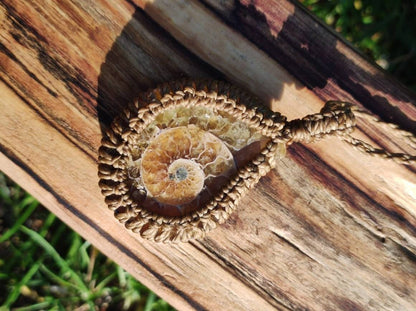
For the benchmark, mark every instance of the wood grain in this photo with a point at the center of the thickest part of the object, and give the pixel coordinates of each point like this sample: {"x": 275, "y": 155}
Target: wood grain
{"x": 329, "y": 229}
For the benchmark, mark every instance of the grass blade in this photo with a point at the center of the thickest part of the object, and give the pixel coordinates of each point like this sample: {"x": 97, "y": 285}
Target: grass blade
{"x": 56, "y": 278}
{"x": 106, "y": 280}
{"x": 149, "y": 303}
{"x": 56, "y": 257}
{"x": 37, "y": 306}
{"x": 26, "y": 214}
{"x": 47, "y": 224}
{"x": 16, "y": 289}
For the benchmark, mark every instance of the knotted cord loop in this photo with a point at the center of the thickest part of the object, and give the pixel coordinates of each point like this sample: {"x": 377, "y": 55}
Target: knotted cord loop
{"x": 335, "y": 118}
{"x": 338, "y": 118}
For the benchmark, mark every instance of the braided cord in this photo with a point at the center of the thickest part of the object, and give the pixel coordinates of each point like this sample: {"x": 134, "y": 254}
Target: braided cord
{"x": 338, "y": 118}
{"x": 410, "y": 137}
{"x": 401, "y": 158}
{"x": 335, "y": 118}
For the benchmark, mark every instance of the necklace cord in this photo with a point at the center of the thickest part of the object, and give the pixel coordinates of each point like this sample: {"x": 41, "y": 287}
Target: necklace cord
{"x": 339, "y": 119}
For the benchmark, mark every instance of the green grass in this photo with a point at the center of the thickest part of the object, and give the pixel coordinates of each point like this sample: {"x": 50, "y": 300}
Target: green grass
{"x": 384, "y": 30}
{"x": 46, "y": 266}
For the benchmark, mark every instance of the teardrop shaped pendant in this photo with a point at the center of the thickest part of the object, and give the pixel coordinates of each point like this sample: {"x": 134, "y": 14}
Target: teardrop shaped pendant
{"x": 176, "y": 162}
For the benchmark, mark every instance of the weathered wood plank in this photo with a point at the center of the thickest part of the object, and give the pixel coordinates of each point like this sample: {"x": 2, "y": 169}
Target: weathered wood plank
{"x": 328, "y": 229}
{"x": 64, "y": 185}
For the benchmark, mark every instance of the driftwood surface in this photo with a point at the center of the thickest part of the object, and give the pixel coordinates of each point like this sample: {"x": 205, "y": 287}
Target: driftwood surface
{"x": 329, "y": 229}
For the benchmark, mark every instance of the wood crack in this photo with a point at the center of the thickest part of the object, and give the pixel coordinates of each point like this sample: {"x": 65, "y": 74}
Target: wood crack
{"x": 281, "y": 236}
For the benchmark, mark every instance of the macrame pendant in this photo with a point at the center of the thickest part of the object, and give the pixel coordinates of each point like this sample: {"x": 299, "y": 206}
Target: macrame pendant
{"x": 176, "y": 162}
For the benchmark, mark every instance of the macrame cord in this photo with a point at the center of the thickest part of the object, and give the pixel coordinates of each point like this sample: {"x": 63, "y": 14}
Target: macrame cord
{"x": 122, "y": 138}
{"x": 338, "y": 119}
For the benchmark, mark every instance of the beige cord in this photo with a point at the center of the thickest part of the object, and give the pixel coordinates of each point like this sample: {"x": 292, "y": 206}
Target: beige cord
{"x": 338, "y": 118}
{"x": 123, "y": 138}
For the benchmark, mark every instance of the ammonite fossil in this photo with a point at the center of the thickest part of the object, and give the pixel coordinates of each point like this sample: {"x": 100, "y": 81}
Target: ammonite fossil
{"x": 177, "y": 160}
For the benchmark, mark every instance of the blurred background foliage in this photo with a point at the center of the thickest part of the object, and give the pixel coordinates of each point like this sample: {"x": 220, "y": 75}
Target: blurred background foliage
{"x": 44, "y": 265}
{"x": 385, "y": 31}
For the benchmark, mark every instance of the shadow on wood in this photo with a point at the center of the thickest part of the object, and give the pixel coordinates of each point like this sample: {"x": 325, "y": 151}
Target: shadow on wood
{"x": 315, "y": 59}
{"x": 329, "y": 229}
{"x": 137, "y": 61}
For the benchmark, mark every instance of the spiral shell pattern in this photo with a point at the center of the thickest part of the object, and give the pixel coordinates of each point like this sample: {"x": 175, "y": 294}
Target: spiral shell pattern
{"x": 186, "y": 156}
{"x": 177, "y": 161}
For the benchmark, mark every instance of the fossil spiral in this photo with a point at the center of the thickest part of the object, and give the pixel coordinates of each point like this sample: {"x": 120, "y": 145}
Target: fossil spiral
{"x": 175, "y": 163}
{"x": 178, "y": 160}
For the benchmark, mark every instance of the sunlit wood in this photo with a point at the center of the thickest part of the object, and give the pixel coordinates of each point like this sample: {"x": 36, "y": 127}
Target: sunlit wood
{"x": 329, "y": 229}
